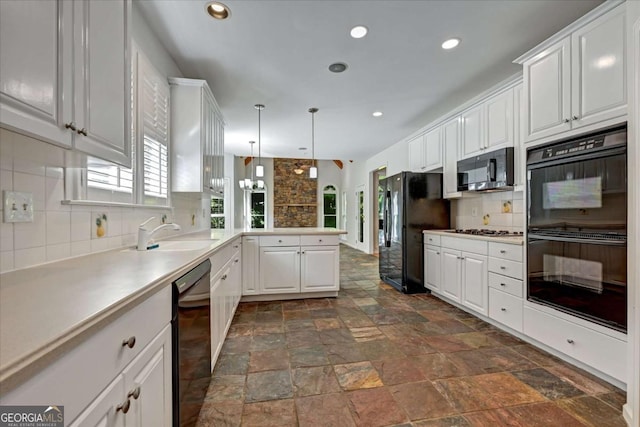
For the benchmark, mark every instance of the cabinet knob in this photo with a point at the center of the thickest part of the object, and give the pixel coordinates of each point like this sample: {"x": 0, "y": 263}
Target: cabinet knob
{"x": 320, "y": 240}
{"x": 71, "y": 126}
{"x": 574, "y": 118}
{"x": 503, "y": 309}
{"x": 130, "y": 342}
{"x": 569, "y": 340}
{"x": 303, "y": 252}
{"x": 437, "y": 253}
{"x": 502, "y": 267}
{"x": 502, "y": 251}
{"x": 236, "y": 260}
{"x": 279, "y": 241}
{"x": 224, "y": 277}
{"x": 236, "y": 246}
{"x": 135, "y": 393}
{"x": 124, "y": 407}
{"x": 503, "y": 284}
{"x": 82, "y": 131}
{"x": 567, "y": 120}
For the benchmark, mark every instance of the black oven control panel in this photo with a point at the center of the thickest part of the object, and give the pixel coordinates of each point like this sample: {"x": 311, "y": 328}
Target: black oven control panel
{"x": 573, "y": 147}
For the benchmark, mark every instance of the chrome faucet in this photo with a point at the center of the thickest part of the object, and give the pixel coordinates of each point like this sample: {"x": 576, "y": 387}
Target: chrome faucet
{"x": 144, "y": 235}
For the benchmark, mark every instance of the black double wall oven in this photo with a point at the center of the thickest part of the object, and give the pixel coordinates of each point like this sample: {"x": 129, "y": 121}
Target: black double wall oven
{"x": 577, "y": 227}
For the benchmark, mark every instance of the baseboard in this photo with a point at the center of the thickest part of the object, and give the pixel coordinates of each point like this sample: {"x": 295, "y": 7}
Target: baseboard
{"x": 628, "y": 415}
{"x": 280, "y": 297}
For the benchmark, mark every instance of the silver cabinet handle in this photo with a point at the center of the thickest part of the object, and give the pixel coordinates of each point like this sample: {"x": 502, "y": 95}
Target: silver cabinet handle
{"x": 569, "y": 340}
{"x": 236, "y": 246}
{"x": 279, "y": 241}
{"x": 82, "y": 131}
{"x": 437, "y": 253}
{"x": 503, "y": 309}
{"x": 303, "y": 252}
{"x": 502, "y": 251}
{"x": 502, "y": 267}
{"x": 135, "y": 393}
{"x": 224, "y": 277}
{"x": 71, "y": 126}
{"x": 236, "y": 260}
{"x": 574, "y": 118}
{"x": 130, "y": 342}
{"x": 124, "y": 407}
{"x": 503, "y": 284}
{"x": 320, "y": 240}
{"x": 460, "y": 257}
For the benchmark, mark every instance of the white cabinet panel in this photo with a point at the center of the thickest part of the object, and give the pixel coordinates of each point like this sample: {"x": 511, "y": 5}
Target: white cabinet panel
{"x": 507, "y": 267}
{"x": 319, "y": 240}
{"x": 432, "y": 150}
{"x": 416, "y": 154}
{"x": 599, "y": 69}
{"x": 451, "y": 274}
{"x": 450, "y": 143}
{"x": 106, "y": 409}
{"x": 35, "y": 80}
{"x": 250, "y": 265}
{"x": 472, "y": 131}
{"x": 499, "y": 111}
{"x": 279, "y": 269}
{"x": 279, "y": 240}
{"x": 506, "y": 251}
{"x": 320, "y": 268}
{"x": 432, "y": 268}
{"x": 506, "y": 284}
{"x": 506, "y": 309}
{"x": 474, "y": 282}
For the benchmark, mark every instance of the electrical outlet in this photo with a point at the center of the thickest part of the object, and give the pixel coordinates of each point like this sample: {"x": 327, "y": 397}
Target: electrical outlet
{"x": 474, "y": 211}
{"x": 18, "y": 207}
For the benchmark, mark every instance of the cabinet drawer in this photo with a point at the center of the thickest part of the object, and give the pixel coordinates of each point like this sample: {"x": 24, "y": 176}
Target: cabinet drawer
{"x": 604, "y": 353}
{"x": 506, "y": 284}
{"x": 506, "y": 309}
{"x": 467, "y": 245}
{"x": 319, "y": 240}
{"x": 432, "y": 239}
{"x": 220, "y": 258}
{"x": 96, "y": 361}
{"x": 506, "y": 251}
{"x": 506, "y": 267}
{"x": 279, "y": 240}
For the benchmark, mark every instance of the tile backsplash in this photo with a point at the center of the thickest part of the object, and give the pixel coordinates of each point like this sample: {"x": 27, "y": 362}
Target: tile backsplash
{"x": 503, "y": 210}
{"x": 62, "y": 231}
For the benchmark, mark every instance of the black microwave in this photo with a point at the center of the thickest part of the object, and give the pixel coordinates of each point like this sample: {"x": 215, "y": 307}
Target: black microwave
{"x": 488, "y": 171}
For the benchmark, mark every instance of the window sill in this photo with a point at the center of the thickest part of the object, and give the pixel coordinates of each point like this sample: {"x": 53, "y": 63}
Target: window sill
{"x": 114, "y": 204}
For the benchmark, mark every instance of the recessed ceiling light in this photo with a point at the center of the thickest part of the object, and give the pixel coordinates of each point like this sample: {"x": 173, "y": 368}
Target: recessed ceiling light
{"x": 218, "y": 10}
{"x": 451, "y": 43}
{"x": 377, "y": 113}
{"x": 337, "y": 67}
{"x": 359, "y": 31}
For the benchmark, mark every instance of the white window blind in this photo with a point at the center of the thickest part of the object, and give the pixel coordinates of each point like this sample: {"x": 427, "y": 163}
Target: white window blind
{"x": 154, "y": 104}
{"x": 107, "y": 176}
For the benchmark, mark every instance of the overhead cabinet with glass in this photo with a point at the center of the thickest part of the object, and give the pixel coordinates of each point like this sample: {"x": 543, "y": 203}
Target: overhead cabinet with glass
{"x": 197, "y": 129}
{"x": 67, "y": 81}
{"x": 576, "y": 80}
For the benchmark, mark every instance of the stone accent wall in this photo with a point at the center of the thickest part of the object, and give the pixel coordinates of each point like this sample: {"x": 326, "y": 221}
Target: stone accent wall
{"x": 295, "y": 201}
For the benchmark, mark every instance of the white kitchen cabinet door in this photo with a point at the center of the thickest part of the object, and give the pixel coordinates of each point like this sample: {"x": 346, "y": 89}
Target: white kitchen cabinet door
{"x": 416, "y": 154}
{"x": 474, "y": 282}
{"x": 473, "y": 138}
{"x": 320, "y": 268}
{"x": 102, "y": 73}
{"x": 217, "y": 312}
{"x": 35, "y": 86}
{"x": 450, "y": 143}
{"x": 599, "y": 90}
{"x": 547, "y": 81}
{"x": 450, "y": 275}
{"x": 432, "y": 260}
{"x": 279, "y": 270}
{"x": 106, "y": 409}
{"x": 499, "y": 121}
{"x": 250, "y": 259}
{"x": 148, "y": 384}
{"x": 433, "y": 150}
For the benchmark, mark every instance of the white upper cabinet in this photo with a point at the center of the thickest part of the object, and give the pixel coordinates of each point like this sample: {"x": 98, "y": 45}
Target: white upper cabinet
{"x": 579, "y": 80}
{"x": 473, "y": 140}
{"x": 499, "y": 121}
{"x": 433, "y": 150}
{"x": 416, "y": 148}
{"x": 450, "y": 142}
{"x": 73, "y": 87}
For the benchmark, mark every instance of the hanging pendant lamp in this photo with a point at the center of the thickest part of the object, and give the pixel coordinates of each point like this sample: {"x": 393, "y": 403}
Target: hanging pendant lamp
{"x": 313, "y": 170}
{"x": 248, "y": 184}
{"x": 259, "y": 166}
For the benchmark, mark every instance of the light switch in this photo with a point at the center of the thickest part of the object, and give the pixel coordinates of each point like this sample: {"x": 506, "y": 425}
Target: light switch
{"x": 18, "y": 207}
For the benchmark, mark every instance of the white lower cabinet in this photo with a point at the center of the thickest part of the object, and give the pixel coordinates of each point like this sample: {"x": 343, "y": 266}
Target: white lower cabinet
{"x": 319, "y": 268}
{"x": 250, "y": 260}
{"x": 102, "y": 412}
{"x": 505, "y": 308}
{"x": 451, "y": 274}
{"x": 474, "y": 282}
{"x": 432, "y": 268}
{"x": 279, "y": 269}
{"x": 506, "y": 288}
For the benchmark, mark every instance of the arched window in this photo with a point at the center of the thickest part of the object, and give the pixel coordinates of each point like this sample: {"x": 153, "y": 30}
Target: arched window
{"x": 330, "y": 206}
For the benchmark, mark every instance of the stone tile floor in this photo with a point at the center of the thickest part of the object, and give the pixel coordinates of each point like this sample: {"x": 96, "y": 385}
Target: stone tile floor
{"x": 376, "y": 357}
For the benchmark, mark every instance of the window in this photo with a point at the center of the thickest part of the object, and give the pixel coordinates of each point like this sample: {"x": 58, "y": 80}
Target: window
{"x": 257, "y": 208}
{"x": 217, "y": 213}
{"x": 330, "y": 206}
{"x": 147, "y": 182}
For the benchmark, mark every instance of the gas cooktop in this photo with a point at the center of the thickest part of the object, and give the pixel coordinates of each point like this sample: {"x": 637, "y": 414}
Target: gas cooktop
{"x": 485, "y": 232}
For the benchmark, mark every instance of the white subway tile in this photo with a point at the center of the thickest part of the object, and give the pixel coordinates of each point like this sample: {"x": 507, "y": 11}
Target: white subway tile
{"x": 33, "y": 156}
{"x": 100, "y": 245}
{"x": 115, "y": 223}
{"x": 519, "y": 221}
{"x": 6, "y": 149}
{"x": 80, "y": 226}
{"x": 6, "y": 236}
{"x": 129, "y": 240}
{"x": 6, "y": 180}
{"x": 54, "y": 194}
{"x": 501, "y": 220}
{"x": 81, "y": 248}
{"x": 58, "y": 227}
{"x": 24, "y": 258}
{"x": 518, "y": 206}
{"x": 57, "y": 252}
{"x": 6, "y": 261}
{"x": 30, "y": 234}
{"x": 33, "y": 184}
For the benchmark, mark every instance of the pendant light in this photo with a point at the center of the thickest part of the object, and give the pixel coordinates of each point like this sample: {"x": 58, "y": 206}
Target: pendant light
{"x": 313, "y": 170}
{"x": 248, "y": 184}
{"x": 259, "y": 166}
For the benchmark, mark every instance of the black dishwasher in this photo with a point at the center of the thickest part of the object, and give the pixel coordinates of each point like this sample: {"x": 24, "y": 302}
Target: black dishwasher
{"x": 191, "y": 344}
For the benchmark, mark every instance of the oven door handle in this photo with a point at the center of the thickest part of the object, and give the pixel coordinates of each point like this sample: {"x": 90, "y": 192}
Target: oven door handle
{"x": 606, "y": 242}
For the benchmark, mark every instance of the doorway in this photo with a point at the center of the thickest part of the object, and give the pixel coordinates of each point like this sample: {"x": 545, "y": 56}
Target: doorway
{"x": 360, "y": 217}
{"x": 378, "y": 209}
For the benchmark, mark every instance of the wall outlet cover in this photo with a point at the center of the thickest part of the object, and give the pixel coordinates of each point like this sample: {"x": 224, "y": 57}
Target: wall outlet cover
{"x": 17, "y": 206}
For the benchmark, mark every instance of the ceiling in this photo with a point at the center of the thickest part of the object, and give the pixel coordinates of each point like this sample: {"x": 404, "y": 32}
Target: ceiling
{"x": 277, "y": 53}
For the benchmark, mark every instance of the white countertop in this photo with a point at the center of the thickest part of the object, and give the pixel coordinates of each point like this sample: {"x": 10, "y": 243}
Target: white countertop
{"x": 48, "y": 309}
{"x": 513, "y": 240}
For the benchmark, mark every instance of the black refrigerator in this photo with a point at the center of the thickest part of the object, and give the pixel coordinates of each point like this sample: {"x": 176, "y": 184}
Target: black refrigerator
{"x": 412, "y": 203}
